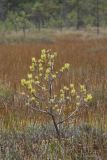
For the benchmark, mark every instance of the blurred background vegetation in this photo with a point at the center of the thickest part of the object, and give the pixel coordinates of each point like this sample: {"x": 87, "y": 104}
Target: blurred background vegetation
{"x": 27, "y": 15}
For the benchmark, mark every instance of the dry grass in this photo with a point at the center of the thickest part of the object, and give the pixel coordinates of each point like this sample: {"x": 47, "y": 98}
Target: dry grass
{"x": 88, "y": 58}
{"x": 89, "y": 65}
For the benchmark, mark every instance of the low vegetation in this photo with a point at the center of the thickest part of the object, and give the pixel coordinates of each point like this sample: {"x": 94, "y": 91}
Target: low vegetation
{"x": 40, "y": 142}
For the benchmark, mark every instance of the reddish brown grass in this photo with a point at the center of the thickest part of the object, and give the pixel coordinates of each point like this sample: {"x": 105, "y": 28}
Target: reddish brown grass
{"x": 87, "y": 57}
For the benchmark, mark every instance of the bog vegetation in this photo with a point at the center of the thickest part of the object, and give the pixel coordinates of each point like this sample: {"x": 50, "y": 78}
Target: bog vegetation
{"x": 27, "y": 134}
{"x": 56, "y": 108}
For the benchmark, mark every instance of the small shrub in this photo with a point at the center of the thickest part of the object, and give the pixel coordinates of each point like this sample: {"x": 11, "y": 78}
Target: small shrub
{"x": 47, "y": 95}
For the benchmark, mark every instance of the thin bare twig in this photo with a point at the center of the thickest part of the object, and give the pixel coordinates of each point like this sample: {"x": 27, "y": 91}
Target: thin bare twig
{"x": 72, "y": 115}
{"x": 42, "y": 111}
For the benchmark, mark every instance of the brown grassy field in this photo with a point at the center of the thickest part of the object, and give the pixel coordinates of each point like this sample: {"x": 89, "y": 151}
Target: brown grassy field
{"x": 23, "y": 133}
{"x": 88, "y": 58}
